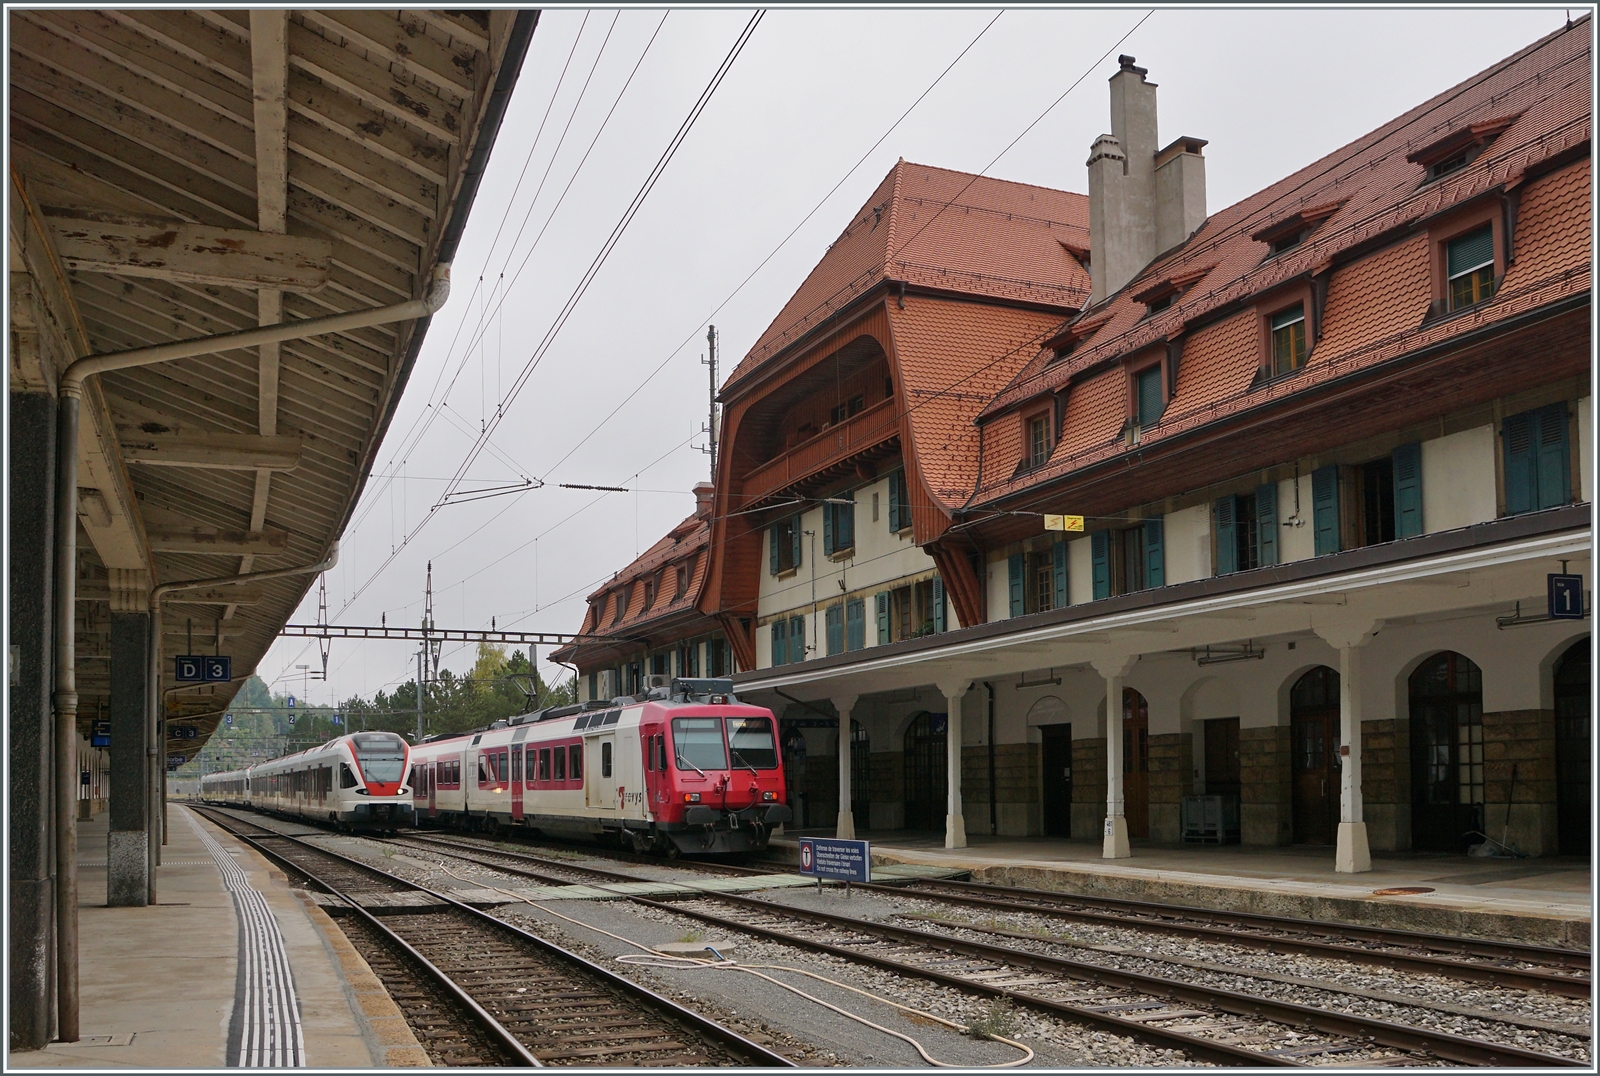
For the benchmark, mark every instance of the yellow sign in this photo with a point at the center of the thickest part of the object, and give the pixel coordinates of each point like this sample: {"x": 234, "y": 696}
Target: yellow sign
{"x": 1063, "y": 523}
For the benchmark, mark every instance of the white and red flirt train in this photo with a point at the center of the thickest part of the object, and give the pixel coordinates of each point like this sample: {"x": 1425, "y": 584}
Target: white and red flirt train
{"x": 688, "y": 768}
{"x": 356, "y": 781}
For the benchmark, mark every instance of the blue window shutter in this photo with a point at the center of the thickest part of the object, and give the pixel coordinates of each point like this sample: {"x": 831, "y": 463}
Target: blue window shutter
{"x": 827, "y": 530}
{"x": 780, "y": 642}
{"x": 1100, "y": 562}
{"x": 1155, "y": 554}
{"x": 795, "y": 534}
{"x": 1058, "y": 573}
{"x": 1014, "y": 578}
{"x": 846, "y": 536}
{"x": 1227, "y": 536}
{"x": 855, "y": 624}
{"x": 1408, "y": 490}
{"x": 1522, "y": 483}
{"x": 835, "y": 616}
{"x": 797, "y": 639}
{"x": 883, "y": 617}
{"x": 1325, "y": 508}
{"x": 1554, "y": 461}
{"x": 1267, "y": 525}
{"x": 772, "y": 564}
{"x": 895, "y": 479}
{"x": 938, "y": 603}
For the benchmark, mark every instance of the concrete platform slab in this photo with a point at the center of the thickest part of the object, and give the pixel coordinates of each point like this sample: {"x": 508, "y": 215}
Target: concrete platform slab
{"x": 1539, "y": 901}
{"x": 161, "y": 986}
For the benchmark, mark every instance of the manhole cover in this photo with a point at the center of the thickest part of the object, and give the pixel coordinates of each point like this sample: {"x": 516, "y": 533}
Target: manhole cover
{"x": 1402, "y": 891}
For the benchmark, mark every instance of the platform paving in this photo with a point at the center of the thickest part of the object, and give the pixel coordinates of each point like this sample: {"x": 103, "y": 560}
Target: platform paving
{"x": 160, "y": 985}
{"x": 1539, "y": 901}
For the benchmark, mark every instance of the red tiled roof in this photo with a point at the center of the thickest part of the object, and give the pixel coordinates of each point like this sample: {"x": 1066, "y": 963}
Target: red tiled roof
{"x": 953, "y": 357}
{"x": 954, "y": 231}
{"x": 1375, "y": 305}
{"x": 688, "y": 539}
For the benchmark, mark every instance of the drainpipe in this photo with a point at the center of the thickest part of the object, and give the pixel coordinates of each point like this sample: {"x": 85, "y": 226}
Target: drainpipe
{"x": 65, "y": 696}
{"x": 994, "y": 799}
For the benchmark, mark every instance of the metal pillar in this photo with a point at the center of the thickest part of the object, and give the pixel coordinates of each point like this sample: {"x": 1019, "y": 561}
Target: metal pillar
{"x": 128, "y": 844}
{"x": 32, "y": 887}
{"x": 955, "y": 823}
{"x": 846, "y": 829}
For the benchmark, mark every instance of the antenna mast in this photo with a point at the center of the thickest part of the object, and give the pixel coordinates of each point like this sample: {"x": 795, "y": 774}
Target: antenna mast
{"x": 711, "y": 430}
{"x": 431, "y": 668}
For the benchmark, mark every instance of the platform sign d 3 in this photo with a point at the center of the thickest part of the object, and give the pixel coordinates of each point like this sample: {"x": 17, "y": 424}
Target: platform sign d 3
{"x": 202, "y": 669}
{"x": 829, "y": 857}
{"x": 1566, "y": 597}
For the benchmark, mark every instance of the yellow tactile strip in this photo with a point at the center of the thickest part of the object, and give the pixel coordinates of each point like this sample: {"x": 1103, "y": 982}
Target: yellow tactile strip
{"x": 383, "y": 1025}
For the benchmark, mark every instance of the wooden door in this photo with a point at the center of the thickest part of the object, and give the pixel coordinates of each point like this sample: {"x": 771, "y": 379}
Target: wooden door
{"x": 1057, "y": 756}
{"x": 925, "y": 772}
{"x": 1136, "y": 762}
{"x": 1314, "y": 764}
{"x": 1222, "y": 756}
{"x": 1447, "y": 785}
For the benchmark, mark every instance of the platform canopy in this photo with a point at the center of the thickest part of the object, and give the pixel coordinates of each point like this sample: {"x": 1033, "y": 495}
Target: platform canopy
{"x": 177, "y": 174}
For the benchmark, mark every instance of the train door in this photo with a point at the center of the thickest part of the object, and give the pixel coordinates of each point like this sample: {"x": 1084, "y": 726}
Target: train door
{"x": 1056, "y": 749}
{"x": 432, "y": 777}
{"x": 654, "y": 756}
{"x": 518, "y": 776}
{"x": 601, "y": 763}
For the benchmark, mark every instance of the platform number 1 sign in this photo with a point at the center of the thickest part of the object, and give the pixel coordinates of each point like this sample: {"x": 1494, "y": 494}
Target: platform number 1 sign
{"x": 1566, "y": 597}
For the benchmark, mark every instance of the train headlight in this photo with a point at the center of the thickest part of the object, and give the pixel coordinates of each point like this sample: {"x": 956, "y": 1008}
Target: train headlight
{"x": 768, "y": 797}
{"x": 691, "y": 797}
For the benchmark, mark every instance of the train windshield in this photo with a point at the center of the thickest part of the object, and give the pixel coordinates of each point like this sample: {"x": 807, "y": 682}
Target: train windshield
{"x": 697, "y": 742}
{"x": 750, "y": 740}
{"x": 382, "y": 756}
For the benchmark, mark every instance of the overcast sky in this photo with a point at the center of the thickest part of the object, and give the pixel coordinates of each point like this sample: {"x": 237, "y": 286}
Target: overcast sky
{"x": 1270, "y": 90}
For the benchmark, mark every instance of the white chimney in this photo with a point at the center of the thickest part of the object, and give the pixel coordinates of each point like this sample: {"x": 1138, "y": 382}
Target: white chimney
{"x": 1141, "y": 202}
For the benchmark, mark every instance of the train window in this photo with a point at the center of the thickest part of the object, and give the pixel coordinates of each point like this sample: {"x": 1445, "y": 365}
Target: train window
{"x": 575, "y": 761}
{"x": 698, "y": 743}
{"x": 505, "y": 766}
{"x": 661, "y": 752}
{"x": 561, "y": 764}
{"x": 483, "y": 773}
{"x": 346, "y": 778}
{"x": 544, "y": 764}
{"x": 516, "y": 763}
{"x": 650, "y": 754}
{"x": 605, "y": 759}
{"x": 750, "y": 740}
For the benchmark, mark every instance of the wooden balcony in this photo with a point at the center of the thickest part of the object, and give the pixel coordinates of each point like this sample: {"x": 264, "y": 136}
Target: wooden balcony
{"x": 835, "y": 445}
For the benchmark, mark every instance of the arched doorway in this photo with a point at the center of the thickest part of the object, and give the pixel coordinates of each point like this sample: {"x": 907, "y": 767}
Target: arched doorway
{"x": 1572, "y": 749}
{"x": 1314, "y": 765}
{"x": 926, "y": 786}
{"x": 1136, "y": 762}
{"x": 860, "y": 775}
{"x": 1446, "y": 753}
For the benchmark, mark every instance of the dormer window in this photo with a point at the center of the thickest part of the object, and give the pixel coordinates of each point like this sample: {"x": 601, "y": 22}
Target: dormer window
{"x": 1038, "y": 440}
{"x": 1458, "y": 149}
{"x": 1149, "y": 399}
{"x": 1469, "y": 268}
{"x": 1291, "y": 231}
{"x": 649, "y": 594}
{"x": 1288, "y": 340}
{"x": 683, "y": 580}
{"x": 1157, "y": 305}
{"x": 1288, "y": 242}
{"x": 1448, "y": 165}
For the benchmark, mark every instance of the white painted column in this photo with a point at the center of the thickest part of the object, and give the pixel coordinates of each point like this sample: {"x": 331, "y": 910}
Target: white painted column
{"x": 847, "y": 821}
{"x": 1352, "y": 854}
{"x": 1116, "y": 829}
{"x": 955, "y": 825}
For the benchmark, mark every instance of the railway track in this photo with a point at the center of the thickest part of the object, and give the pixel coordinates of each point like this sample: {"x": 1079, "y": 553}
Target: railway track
{"x": 496, "y": 994}
{"x": 1205, "y": 1021}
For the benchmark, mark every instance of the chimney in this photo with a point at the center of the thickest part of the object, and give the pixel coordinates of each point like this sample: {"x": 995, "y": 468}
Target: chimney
{"x": 1141, "y": 202}
{"x": 702, "y": 499}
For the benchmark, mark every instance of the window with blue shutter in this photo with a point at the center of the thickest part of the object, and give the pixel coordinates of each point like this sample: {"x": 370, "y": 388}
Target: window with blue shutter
{"x": 1267, "y": 525}
{"x": 1325, "y": 509}
{"x": 794, "y": 542}
{"x": 797, "y": 639}
{"x": 855, "y": 624}
{"x": 772, "y": 560}
{"x": 1100, "y": 563}
{"x": 1227, "y": 536}
{"x": 1408, "y": 491}
{"x": 1155, "y": 554}
{"x": 827, "y": 530}
{"x": 1149, "y": 399}
{"x": 899, "y": 502}
{"x": 780, "y": 642}
{"x": 835, "y": 624}
{"x": 882, "y": 599}
{"x": 938, "y": 603}
{"x": 844, "y": 524}
{"x": 1014, "y": 570}
{"x": 783, "y": 550}
{"x": 1058, "y": 570}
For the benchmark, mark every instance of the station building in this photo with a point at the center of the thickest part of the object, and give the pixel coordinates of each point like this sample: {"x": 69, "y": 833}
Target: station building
{"x": 1107, "y": 517}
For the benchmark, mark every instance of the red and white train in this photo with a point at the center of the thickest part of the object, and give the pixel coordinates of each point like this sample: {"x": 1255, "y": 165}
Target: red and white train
{"x": 356, "y": 781}
{"x": 687, "y": 769}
